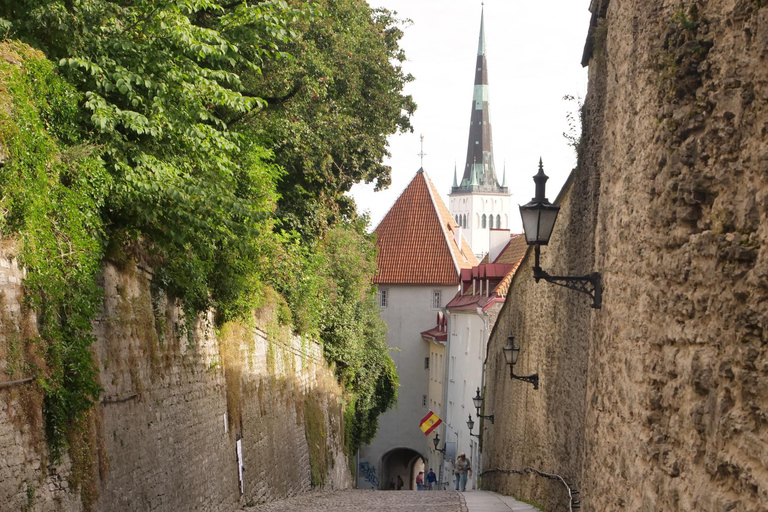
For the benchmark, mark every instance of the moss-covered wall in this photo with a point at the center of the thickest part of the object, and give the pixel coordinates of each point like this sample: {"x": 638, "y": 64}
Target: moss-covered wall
{"x": 176, "y": 399}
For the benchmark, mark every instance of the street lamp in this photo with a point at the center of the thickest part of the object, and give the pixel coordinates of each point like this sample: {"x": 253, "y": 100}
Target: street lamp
{"x": 539, "y": 217}
{"x": 478, "y": 400}
{"x": 436, "y": 440}
{"x": 511, "y": 352}
{"x": 471, "y": 425}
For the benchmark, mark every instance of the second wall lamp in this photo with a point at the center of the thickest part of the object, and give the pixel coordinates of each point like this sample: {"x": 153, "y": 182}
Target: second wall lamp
{"x": 539, "y": 217}
{"x": 511, "y": 352}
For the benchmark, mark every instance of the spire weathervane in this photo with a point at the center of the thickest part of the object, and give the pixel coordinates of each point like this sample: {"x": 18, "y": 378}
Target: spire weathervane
{"x": 422, "y": 154}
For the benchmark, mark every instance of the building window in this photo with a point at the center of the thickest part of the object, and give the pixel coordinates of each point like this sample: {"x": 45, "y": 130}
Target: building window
{"x": 426, "y": 363}
{"x": 490, "y": 221}
{"x": 436, "y": 303}
{"x": 383, "y": 298}
{"x": 467, "y": 350}
{"x": 440, "y": 369}
{"x": 423, "y": 400}
{"x": 465, "y": 221}
{"x": 484, "y": 221}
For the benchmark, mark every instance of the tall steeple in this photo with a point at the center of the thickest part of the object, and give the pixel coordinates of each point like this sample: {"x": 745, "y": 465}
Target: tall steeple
{"x": 480, "y": 171}
{"x": 477, "y": 201}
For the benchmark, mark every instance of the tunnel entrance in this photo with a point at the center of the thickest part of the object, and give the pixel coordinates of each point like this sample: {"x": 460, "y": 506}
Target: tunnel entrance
{"x": 403, "y": 462}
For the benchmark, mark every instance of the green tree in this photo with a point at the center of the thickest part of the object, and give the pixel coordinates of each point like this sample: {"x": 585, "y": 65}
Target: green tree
{"x": 331, "y": 109}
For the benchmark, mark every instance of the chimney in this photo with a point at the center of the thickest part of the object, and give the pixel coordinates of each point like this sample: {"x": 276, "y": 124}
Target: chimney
{"x": 498, "y": 241}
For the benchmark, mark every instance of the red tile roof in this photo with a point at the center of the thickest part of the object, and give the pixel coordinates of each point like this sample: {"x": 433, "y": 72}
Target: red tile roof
{"x": 416, "y": 239}
{"x": 511, "y": 254}
{"x": 514, "y": 251}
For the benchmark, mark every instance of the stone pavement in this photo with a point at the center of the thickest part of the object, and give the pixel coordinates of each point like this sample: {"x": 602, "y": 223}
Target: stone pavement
{"x": 487, "y": 501}
{"x": 396, "y": 501}
{"x": 355, "y": 500}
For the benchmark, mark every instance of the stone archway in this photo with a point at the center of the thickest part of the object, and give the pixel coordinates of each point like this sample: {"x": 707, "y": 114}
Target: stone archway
{"x": 404, "y": 462}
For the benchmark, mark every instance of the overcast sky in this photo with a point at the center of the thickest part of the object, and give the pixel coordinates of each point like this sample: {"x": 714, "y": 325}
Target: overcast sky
{"x": 533, "y": 52}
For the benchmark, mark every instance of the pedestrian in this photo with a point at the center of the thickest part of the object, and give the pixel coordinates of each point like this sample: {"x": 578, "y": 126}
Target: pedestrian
{"x": 462, "y": 468}
{"x": 400, "y": 483}
{"x": 420, "y": 481}
{"x": 431, "y": 480}
{"x": 391, "y": 485}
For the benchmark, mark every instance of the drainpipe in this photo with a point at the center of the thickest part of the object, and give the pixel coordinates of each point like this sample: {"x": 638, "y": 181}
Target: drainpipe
{"x": 446, "y": 383}
{"x": 486, "y": 335}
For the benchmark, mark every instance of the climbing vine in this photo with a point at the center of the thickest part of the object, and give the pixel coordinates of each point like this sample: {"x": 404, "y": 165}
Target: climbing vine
{"x": 53, "y": 187}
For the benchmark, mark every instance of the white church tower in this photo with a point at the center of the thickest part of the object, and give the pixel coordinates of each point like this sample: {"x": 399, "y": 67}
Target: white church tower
{"x": 478, "y": 203}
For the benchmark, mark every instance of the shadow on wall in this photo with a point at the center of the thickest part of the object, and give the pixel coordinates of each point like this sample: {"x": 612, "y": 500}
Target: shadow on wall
{"x": 400, "y": 462}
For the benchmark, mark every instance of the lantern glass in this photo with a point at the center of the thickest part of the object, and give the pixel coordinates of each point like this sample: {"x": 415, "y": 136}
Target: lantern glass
{"x": 436, "y": 440}
{"x": 478, "y": 400}
{"x": 538, "y": 221}
{"x": 509, "y": 348}
{"x": 470, "y": 423}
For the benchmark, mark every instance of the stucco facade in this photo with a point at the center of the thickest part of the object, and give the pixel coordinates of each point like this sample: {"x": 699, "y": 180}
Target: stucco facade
{"x": 409, "y": 310}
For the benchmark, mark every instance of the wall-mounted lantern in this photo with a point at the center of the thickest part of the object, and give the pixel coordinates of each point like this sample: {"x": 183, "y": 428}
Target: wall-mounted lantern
{"x": 478, "y": 400}
{"x": 471, "y": 425}
{"x": 511, "y": 352}
{"x": 436, "y": 440}
{"x": 539, "y": 218}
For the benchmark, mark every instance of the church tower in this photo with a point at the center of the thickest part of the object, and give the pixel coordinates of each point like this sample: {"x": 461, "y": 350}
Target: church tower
{"x": 478, "y": 203}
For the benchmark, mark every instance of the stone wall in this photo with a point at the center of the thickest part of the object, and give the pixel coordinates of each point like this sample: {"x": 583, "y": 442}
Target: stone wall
{"x": 175, "y": 402}
{"x": 658, "y": 401}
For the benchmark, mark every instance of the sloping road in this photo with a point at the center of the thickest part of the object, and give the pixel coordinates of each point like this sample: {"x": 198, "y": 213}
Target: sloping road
{"x": 396, "y": 501}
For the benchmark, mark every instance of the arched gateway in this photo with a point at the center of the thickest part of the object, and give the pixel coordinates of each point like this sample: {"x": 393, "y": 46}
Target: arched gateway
{"x": 403, "y": 462}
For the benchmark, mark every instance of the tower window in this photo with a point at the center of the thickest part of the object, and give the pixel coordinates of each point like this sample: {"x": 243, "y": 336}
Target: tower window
{"x": 498, "y": 221}
{"x": 484, "y": 221}
{"x": 436, "y": 299}
{"x": 490, "y": 221}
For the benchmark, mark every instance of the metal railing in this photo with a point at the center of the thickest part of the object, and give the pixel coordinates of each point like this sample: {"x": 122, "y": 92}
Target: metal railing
{"x": 573, "y": 495}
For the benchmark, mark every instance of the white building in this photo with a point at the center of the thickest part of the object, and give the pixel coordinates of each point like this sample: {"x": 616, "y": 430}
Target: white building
{"x": 472, "y": 314}
{"x": 421, "y": 256}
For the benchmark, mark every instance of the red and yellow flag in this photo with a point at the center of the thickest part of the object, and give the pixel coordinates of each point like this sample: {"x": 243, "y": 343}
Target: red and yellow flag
{"x": 429, "y": 423}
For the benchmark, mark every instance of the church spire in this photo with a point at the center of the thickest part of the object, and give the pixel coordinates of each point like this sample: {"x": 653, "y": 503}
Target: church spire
{"x": 455, "y": 184}
{"x": 480, "y": 171}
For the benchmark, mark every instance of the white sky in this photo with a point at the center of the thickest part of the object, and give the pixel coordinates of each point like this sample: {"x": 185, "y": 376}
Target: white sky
{"x": 533, "y": 52}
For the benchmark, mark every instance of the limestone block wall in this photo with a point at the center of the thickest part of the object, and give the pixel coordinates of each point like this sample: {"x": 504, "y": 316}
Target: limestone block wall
{"x": 657, "y": 401}
{"x": 175, "y": 402}
{"x": 678, "y": 404}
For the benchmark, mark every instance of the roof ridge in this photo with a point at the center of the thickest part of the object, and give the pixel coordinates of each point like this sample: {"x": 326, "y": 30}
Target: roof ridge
{"x": 430, "y": 189}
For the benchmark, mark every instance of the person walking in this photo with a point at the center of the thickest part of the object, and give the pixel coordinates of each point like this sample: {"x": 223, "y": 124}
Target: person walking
{"x": 420, "y": 481}
{"x": 400, "y": 483}
{"x": 431, "y": 480}
{"x": 462, "y": 468}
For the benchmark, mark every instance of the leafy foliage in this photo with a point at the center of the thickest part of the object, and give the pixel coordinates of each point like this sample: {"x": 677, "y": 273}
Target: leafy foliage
{"x": 331, "y": 294}
{"x": 332, "y": 108}
{"x": 52, "y": 191}
{"x": 215, "y": 140}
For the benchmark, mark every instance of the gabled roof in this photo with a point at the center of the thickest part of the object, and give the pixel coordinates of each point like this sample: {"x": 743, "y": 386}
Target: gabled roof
{"x": 511, "y": 254}
{"x": 514, "y": 251}
{"x": 417, "y": 239}
{"x": 491, "y": 280}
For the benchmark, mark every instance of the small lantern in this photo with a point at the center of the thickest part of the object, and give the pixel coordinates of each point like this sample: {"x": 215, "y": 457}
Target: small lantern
{"x": 511, "y": 351}
{"x": 436, "y": 440}
{"x": 478, "y": 400}
{"x": 470, "y": 423}
{"x": 539, "y": 215}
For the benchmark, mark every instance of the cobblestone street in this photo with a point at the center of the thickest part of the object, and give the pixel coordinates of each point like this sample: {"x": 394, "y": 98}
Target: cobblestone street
{"x": 367, "y": 501}
{"x": 403, "y": 501}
